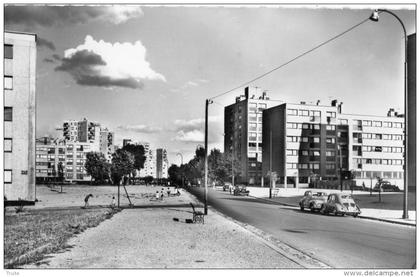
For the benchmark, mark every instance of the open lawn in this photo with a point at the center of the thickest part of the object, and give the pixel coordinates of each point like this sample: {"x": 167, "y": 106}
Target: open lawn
{"x": 31, "y": 234}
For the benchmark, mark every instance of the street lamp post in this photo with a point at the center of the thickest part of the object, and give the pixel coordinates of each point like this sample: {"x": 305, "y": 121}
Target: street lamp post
{"x": 206, "y": 127}
{"x": 375, "y": 17}
{"x": 182, "y": 162}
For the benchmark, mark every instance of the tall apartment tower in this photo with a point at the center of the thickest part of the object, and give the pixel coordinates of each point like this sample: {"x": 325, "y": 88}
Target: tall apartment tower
{"x": 149, "y": 168}
{"x": 243, "y": 133}
{"x": 300, "y": 141}
{"x": 19, "y": 117}
{"x": 161, "y": 163}
{"x": 82, "y": 131}
{"x": 107, "y": 143}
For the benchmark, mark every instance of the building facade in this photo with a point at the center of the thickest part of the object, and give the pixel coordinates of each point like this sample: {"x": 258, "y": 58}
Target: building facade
{"x": 299, "y": 143}
{"x": 106, "y": 143}
{"x": 149, "y": 167}
{"x": 49, "y": 153}
{"x": 243, "y": 133}
{"x": 303, "y": 141}
{"x": 161, "y": 163}
{"x": 19, "y": 116}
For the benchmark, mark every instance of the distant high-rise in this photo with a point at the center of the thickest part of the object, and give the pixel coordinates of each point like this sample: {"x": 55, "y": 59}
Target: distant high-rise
{"x": 107, "y": 143}
{"x": 19, "y": 117}
{"x": 161, "y": 163}
{"x": 243, "y": 133}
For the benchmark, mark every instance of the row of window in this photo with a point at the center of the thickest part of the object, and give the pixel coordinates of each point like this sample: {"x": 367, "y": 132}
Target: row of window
{"x": 378, "y": 161}
{"x": 303, "y": 165}
{"x": 375, "y": 123}
{"x": 309, "y": 139}
{"x": 297, "y": 112}
{"x": 308, "y": 126}
{"x": 381, "y": 136}
{"x": 314, "y": 153}
{"x": 385, "y": 149}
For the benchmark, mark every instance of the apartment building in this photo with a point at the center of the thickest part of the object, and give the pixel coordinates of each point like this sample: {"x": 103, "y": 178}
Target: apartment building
{"x": 303, "y": 141}
{"x": 74, "y": 167}
{"x": 411, "y": 112}
{"x": 243, "y": 133}
{"x": 81, "y": 131}
{"x": 49, "y": 154}
{"x": 106, "y": 143}
{"x": 376, "y": 147}
{"x": 299, "y": 143}
{"x": 19, "y": 117}
{"x": 161, "y": 163}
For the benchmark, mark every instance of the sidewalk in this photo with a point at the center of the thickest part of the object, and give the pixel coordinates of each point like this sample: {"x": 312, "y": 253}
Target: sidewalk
{"x": 389, "y": 211}
{"x": 159, "y": 237}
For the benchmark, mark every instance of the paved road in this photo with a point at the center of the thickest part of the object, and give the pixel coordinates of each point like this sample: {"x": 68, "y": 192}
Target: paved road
{"x": 341, "y": 242}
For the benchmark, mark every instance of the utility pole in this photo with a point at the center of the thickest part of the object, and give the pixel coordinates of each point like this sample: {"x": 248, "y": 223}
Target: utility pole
{"x": 271, "y": 163}
{"x": 206, "y": 127}
{"x": 233, "y": 172}
{"x": 341, "y": 169}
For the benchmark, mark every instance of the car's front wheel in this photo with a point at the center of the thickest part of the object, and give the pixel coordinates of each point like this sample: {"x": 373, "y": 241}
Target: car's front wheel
{"x": 323, "y": 209}
{"x": 301, "y": 207}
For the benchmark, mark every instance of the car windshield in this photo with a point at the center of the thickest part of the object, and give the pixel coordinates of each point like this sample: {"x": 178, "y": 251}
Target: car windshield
{"x": 320, "y": 194}
{"x": 346, "y": 197}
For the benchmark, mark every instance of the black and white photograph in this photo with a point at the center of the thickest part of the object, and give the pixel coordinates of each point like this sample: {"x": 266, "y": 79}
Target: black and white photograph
{"x": 224, "y": 138}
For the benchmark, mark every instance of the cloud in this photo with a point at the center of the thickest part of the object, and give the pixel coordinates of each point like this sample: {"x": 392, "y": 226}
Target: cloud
{"x": 190, "y": 84}
{"x": 189, "y": 136}
{"x": 51, "y": 16}
{"x": 45, "y": 43}
{"x": 100, "y": 63}
{"x": 140, "y": 128}
{"x": 193, "y": 124}
{"x": 47, "y": 60}
{"x": 57, "y": 57}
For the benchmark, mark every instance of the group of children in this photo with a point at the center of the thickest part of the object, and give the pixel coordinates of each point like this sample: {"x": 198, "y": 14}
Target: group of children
{"x": 159, "y": 195}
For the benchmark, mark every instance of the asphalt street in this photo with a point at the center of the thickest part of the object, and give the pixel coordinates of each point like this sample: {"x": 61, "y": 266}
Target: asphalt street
{"x": 341, "y": 242}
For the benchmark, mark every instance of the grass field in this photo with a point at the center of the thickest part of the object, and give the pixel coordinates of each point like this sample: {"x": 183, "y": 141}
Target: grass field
{"x": 31, "y": 234}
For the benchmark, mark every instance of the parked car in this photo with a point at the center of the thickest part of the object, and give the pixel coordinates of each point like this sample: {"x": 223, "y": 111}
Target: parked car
{"x": 385, "y": 186}
{"x": 240, "y": 190}
{"x": 340, "y": 204}
{"x": 227, "y": 186}
{"x": 313, "y": 200}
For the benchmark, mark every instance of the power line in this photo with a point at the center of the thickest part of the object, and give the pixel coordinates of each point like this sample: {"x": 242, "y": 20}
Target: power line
{"x": 294, "y": 59}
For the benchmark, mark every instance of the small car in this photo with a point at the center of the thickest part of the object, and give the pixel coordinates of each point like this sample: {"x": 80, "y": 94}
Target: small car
{"x": 227, "y": 186}
{"x": 313, "y": 200}
{"x": 385, "y": 186}
{"x": 240, "y": 190}
{"x": 340, "y": 204}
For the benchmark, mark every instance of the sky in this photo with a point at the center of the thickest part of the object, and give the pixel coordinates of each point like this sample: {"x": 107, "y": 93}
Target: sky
{"x": 144, "y": 72}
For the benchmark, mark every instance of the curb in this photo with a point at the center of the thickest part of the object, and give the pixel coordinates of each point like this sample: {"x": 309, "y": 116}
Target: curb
{"x": 360, "y": 216}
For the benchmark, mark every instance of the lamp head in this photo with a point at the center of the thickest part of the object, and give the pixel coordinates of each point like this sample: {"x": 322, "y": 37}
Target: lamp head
{"x": 374, "y": 16}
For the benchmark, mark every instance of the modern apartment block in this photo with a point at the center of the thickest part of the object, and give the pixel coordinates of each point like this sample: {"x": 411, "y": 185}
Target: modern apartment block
{"x": 303, "y": 141}
{"x": 49, "y": 153}
{"x": 149, "y": 168}
{"x": 243, "y": 133}
{"x": 19, "y": 117}
{"x": 106, "y": 143}
{"x": 161, "y": 163}
{"x": 81, "y": 131}
{"x": 75, "y": 160}
{"x": 376, "y": 147}
{"x": 300, "y": 142}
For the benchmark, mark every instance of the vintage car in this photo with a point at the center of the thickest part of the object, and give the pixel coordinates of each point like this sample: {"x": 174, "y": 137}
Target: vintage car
{"x": 385, "y": 186}
{"x": 312, "y": 200}
{"x": 340, "y": 204}
{"x": 240, "y": 190}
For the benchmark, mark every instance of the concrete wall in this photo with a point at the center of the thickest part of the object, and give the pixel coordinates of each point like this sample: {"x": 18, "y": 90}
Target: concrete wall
{"x": 22, "y": 128}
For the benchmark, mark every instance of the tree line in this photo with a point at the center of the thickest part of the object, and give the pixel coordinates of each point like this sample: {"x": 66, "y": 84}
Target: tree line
{"x": 125, "y": 162}
{"x": 221, "y": 168}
